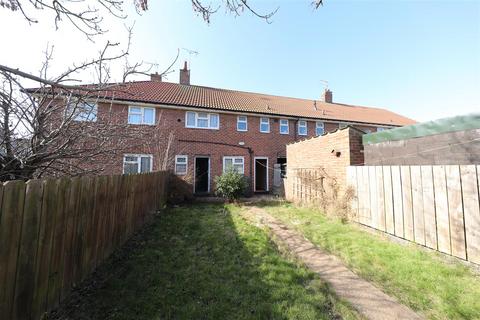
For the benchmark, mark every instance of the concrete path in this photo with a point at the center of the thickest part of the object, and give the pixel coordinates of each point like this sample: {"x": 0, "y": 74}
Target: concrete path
{"x": 370, "y": 301}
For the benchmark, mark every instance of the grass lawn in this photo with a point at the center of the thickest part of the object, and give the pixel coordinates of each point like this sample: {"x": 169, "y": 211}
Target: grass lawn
{"x": 201, "y": 262}
{"x": 422, "y": 280}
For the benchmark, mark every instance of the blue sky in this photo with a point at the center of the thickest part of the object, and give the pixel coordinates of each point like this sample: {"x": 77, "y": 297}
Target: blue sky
{"x": 417, "y": 58}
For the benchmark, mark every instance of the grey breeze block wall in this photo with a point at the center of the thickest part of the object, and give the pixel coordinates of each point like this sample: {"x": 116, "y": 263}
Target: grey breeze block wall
{"x": 458, "y": 147}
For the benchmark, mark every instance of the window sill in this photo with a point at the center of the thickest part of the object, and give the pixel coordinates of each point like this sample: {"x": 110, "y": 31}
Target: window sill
{"x": 202, "y": 128}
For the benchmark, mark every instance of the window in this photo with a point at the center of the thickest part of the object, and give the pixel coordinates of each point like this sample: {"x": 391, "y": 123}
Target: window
{"x": 201, "y": 120}
{"x": 141, "y": 115}
{"x": 381, "y": 129}
{"x": 137, "y": 163}
{"x": 235, "y": 163}
{"x": 82, "y": 111}
{"x": 368, "y": 131}
{"x": 342, "y": 125}
{"x": 265, "y": 125}
{"x": 283, "y": 126}
{"x": 302, "y": 128}
{"x": 319, "y": 128}
{"x": 242, "y": 124}
{"x": 181, "y": 163}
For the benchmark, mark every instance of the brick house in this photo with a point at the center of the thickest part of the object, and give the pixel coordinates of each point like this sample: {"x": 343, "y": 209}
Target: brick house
{"x": 212, "y": 129}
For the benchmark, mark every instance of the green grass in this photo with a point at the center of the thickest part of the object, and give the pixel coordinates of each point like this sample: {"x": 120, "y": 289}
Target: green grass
{"x": 204, "y": 262}
{"x": 422, "y": 280}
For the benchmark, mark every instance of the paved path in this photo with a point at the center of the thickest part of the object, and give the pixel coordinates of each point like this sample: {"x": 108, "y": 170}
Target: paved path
{"x": 370, "y": 301}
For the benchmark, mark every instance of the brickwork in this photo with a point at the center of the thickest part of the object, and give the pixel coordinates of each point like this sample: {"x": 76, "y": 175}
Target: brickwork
{"x": 316, "y": 171}
{"x": 215, "y": 144}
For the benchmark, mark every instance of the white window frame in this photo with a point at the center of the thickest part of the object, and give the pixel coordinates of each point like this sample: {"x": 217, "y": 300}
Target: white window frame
{"x": 209, "y": 116}
{"x": 263, "y": 122}
{"x": 284, "y": 125}
{"x": 176, "y": 163}
{"x": 242, "y": 121}
{"x": 319, "y": 124}
{"x": 233, "y": 158}
{"x": 77, "y": 107}
{"x": 141, "y": 114}
{"x": 138, "y": 161}
{"x": 302, "y": 126}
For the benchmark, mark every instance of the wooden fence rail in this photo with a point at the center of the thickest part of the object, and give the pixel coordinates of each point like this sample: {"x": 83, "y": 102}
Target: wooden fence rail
{"x": 54, "y": 232}
{"x": 435, "y": 206}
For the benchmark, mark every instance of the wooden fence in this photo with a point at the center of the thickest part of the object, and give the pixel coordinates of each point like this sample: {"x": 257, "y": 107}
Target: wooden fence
{"x": 54, "y": 232}
{"x": 434, "y": 206}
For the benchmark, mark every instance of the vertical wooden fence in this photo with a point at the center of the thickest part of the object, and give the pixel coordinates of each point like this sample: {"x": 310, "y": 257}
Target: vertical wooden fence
{"x": 54, "y": 232}
{"x": 435, "y": 206}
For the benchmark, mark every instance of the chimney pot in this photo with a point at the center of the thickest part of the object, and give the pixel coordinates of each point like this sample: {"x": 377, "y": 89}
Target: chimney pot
{"x": 328, "y": 96}
{"x": 156, "y": 77}
{"x": 185, "y": 74}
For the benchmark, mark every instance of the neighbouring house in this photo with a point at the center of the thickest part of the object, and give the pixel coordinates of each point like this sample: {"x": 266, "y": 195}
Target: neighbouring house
{"x": 454, "y": 140}
{"x": 198, "y": 132}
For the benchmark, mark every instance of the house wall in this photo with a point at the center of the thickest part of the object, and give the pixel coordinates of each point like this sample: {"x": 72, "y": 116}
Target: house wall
{"x": 147, "y": 139}
{"x": 460, "y": 147}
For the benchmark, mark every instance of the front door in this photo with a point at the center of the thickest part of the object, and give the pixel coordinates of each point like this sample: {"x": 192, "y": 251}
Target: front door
{"x": 202, "y": 175}
{"x": 261, "y": 174}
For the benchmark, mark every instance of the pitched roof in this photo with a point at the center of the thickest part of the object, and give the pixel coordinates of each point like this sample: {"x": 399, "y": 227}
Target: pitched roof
{"x": 168, "y": 93}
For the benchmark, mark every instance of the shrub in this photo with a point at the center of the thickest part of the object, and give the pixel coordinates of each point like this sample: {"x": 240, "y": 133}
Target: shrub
{"x": 230, "y": 185}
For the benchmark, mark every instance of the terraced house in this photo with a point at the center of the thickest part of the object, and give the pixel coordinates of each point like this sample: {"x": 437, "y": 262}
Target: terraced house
{"x": 213, "y": 129}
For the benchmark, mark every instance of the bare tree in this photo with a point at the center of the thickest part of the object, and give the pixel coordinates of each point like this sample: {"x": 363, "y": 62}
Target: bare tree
{"x": 87, "y": 15}
{"x": 55, "y": 128}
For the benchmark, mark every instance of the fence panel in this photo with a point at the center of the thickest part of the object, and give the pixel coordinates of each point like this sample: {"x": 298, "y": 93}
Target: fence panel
{"x": 397, "y": 201}
{"x": 428, "y": 194}
{"x": 10, "y": 233}
{"x": 455, "y": 209}
{"x": 387, "y": 185}
{"x": 471, "y": 210}
{"x": 441, "y": 209}
{"x": 407, "y": 203}
{"x": 434, "y": 206}
{"x": 417, "y": 205}
{"x": 54, "y": 232}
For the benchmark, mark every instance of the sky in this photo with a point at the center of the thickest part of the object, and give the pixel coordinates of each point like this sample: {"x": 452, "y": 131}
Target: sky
{"x": 420, "y": 59}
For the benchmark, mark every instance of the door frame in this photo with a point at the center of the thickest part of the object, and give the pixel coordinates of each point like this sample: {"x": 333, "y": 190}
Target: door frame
{"x": 255, "y": 173}
{"x": 195, "y": 172}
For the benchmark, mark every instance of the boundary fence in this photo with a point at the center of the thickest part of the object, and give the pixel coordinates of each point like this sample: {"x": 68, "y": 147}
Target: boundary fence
{"x": 55, "y": 232}
{"x": 435, "y": 206}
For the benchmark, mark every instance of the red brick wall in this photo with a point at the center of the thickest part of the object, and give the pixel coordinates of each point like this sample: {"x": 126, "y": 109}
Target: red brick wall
{"x": 213, "y": 143}
{"x": 326, "y": 156}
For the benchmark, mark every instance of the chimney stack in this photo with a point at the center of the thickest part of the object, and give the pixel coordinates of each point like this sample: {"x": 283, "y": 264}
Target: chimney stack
{"x": 156, "y": 77}
{"x": 185, "y": 75}
{"x": 328, "y": 96}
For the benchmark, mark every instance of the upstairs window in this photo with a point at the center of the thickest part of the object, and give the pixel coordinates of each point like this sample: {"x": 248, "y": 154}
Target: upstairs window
{"x": 235, "y": 163}
{"x": 201, "y": 120}
{"x": 265, "y": 125}
{"x": 82, "y": 111}
{"x": 181, "y": 163}
{"x": 141, "y": 115}
{"x": 302, "y": 128}
{"x": 242, "y": 124}
{"x": 319, "y": 128}
{"x": 284, "y": 126}
{"x": 137, "y": 163}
